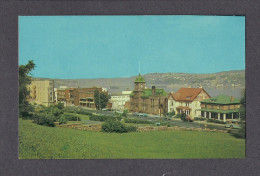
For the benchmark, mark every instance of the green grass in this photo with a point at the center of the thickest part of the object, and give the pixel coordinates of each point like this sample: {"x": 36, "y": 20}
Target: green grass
{"x": 42, "y": 142}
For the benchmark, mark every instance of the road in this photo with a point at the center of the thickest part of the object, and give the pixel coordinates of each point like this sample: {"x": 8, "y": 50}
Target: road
{"x": 174, "y": 122}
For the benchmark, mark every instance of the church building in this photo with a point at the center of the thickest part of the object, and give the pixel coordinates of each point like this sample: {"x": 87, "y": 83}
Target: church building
{"x": 150, "y": 101}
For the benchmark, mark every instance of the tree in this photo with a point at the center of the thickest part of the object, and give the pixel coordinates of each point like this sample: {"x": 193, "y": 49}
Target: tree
{"x": 100, "y": 99}
{"x": 243, "y": 106}
{"x": 24, "y": 81}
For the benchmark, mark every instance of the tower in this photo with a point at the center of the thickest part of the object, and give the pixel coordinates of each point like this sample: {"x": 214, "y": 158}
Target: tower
{"x": 139, "y": 83}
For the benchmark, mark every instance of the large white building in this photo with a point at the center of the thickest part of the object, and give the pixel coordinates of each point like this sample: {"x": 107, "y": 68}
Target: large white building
{"x": 118, "y": 100}
{"x": 187, "y": 100}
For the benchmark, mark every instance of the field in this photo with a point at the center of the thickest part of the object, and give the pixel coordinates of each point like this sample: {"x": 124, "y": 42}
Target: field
{"x": 40, "y": 142}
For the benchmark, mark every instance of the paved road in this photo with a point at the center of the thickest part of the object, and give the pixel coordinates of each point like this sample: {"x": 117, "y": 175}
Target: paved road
{"x": 174, "y": 122}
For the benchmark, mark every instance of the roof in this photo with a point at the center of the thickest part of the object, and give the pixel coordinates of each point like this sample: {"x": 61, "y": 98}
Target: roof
{"x": 149, "y": 92}
{"x": 139, "y": 78}
{"x": 221, "y": 99}
{"x": 220, "y": 110}
{"x": 187, "y": 94}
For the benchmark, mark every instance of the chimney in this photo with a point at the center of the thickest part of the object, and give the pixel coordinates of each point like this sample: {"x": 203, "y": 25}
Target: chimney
{"x": 153, "y": 90}
{"x": 232, "y": 99}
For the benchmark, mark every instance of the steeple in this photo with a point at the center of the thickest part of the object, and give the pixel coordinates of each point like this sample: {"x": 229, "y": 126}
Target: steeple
{"x": 139, "y": 79}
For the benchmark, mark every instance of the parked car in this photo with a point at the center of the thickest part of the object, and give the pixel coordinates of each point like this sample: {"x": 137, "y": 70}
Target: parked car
{"x": 233, "y": 124}
{"x": 156, "y": 116}
{"x": 140, "y": 114}
{"x": 135, "y": 113}
{"x": 145, "y": 115}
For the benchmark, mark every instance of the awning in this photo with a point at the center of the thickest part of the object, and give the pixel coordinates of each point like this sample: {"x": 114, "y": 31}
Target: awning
{"x": 183, "y": 107}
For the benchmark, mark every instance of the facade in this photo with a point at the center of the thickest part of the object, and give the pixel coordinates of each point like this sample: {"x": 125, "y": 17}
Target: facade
{"x": 41, "y": 92}
{"x": 221, "y": 107}
{"x": 82, "y": 96}
{"x": 118, "y": 100}
{"x": 60, "y": 95}
{"x": 187, "y": 100}
{"x": 150, "y": 101}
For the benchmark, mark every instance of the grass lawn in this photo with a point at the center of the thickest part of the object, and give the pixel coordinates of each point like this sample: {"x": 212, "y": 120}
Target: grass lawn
{"x": 42, "y": 142}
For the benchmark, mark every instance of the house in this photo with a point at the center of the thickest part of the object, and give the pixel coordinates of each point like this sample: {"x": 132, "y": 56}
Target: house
{"x": 221, "y": 107}
{"x": 118, "y": 100}
{"x": 150, "y": 101}
{"x": 187, "y": 100}
{"x": 41, "y": 92}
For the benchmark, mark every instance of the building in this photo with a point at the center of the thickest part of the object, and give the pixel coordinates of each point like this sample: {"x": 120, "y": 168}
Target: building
{"x": 41, "y": 92}
{"x": 82, "y": 96}
{"x": 60, "y": 95}
{"x": 221, "y": 107}
{"x": 187, "y": 100}
{"x": 150, "y": 101}
{"x": 119, "y": 100}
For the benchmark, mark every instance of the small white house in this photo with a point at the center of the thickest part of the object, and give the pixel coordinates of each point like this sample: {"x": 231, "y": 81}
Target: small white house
{"x": 187, "y": 100}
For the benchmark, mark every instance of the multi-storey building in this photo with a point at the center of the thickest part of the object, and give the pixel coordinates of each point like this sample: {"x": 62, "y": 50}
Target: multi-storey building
{"x": 82, "y": 96}
{"x": 41, "y": 92}
{"x": 118, "y": 100}
{"x": 187, "y": 100}
{"x": 60, "y": 94}
{"x": 221, "y": 107}
{"x": 151, "y": 101}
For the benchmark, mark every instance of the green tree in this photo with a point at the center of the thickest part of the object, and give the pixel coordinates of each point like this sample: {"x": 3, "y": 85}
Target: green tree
{"x": 125, "y": 113}
{"x": 243, "y": 106}
{"x": 100, "y": 99}
{"x": 24, "y": 81}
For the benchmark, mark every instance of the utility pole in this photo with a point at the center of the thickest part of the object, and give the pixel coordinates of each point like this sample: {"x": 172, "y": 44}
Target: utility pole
{"x": 99, "y": 100}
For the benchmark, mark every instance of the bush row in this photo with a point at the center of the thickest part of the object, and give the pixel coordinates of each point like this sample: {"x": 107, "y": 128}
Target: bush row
{"x": 128, "y": 120}
{"x": 216, "y": 121}
{"x": 103, "y": 117}
{"x": 114, "y": 125}
{"x": 198, "y": 118}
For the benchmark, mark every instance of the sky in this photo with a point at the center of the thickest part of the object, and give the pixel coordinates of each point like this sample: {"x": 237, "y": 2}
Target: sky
{"x": 73, "y": 47}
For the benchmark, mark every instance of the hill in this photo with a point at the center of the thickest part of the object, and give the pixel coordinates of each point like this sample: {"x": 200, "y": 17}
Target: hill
{"x": 233, "y": 80}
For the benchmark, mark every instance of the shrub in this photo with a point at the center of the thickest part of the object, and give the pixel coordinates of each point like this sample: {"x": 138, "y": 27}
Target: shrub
{"x": 128, "y": 120}
{"x": 164, "y": 124}
{"x": 125, "y": 113}
{"x": 63, "y": 119}
{"x": 216, "y": 121}
{"x": 239, "y": 133}
{"x": 170, "y": 113}
{"x": 183, "y": 117}
{"x": 113, "y": 125}
{"x": 44, "y": 119}
{"x": 198, "y": 118}
{"x": 72, "y": 117}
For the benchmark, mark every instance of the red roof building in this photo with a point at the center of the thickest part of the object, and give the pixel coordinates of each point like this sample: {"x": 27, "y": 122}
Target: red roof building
{"x": 187, "y": 100}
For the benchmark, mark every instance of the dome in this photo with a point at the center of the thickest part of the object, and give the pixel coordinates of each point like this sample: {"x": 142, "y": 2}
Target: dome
{"x": 139, "y": 78}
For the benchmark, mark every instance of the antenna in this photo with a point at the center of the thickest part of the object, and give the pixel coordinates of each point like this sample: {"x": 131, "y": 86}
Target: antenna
{"x": 139, "y": 67}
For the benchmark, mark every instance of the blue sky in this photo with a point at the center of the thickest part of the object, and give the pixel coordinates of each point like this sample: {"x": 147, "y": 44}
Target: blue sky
{"x": 72, "y": 47}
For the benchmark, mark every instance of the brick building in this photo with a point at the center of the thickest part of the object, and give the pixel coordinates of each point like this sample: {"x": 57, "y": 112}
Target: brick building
{"x": 150, "y": 101}
{"x": 82, "y": 96}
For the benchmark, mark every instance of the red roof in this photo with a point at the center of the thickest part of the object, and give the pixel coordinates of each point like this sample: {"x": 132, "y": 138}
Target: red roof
{"x": 187, "y": 94}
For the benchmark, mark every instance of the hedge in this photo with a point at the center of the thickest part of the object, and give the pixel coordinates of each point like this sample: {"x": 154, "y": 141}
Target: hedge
{"x": 128, "y": 120}
{"x": 113, "y": 125}
{"x": 103, "y": 117}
